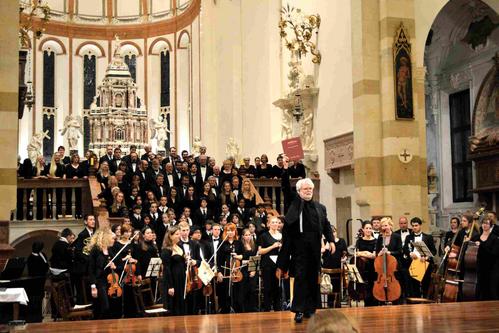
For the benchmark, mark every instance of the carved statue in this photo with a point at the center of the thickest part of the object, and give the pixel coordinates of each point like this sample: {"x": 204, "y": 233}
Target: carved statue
{"x": 196, "y": 145}
{"x": 307, "y": 130}
{"x": 35, "y": 145}
{"x": 286, "y": 124}
{"x": 232, "y": 149}
{"x": 159, "y": 131}
{"x": 432, "y": 179}
{"x": 93, "y": 106}
{"x": 72, "y": 125}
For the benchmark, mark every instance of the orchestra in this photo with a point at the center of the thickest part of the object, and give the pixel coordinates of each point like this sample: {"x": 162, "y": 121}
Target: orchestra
{"x": 194, "y": 225}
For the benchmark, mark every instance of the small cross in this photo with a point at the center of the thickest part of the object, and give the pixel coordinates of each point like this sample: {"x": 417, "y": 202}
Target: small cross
{"x": 405, "y": 155}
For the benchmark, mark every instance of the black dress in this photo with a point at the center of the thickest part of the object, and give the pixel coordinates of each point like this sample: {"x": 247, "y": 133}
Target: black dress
{"x": 333, "y": 261}
{"x": 71, "y": 172}
{"x": 367, "y": 269}
{"x": 249, "y": 286}
{"x": 271, "y": 292}
{"x": 223, "y": 288}
{"x": 174, "y": 268}
{"x": 97, "y": 274}
{"x": 486, "y": 260}
{"x": 144, "y": 254}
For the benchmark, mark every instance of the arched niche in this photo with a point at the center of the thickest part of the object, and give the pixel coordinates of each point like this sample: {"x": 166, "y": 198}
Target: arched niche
{"x": 90, "y": 48}
{"x": 52, "y": 44}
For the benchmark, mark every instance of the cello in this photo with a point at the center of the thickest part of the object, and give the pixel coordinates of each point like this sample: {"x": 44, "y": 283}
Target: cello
{"x": 470, "y": 279}
{"x": 386, "y": 287}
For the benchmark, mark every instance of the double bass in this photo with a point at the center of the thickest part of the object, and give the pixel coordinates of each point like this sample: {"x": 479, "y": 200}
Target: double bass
{"x": 386, "y": 287}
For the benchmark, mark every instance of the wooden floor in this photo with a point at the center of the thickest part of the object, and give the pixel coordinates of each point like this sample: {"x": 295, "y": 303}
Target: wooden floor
{"x": 451, "y": 317}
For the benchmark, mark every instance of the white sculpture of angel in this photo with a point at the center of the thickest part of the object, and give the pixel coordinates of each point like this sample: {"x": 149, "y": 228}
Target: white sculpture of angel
{"x": 196, "y": 145}
{"x": 159, "y": 131}
{"x": 232, "y": 149}
{"x": 35, "y": 145}
{"x": 73, "y": 129}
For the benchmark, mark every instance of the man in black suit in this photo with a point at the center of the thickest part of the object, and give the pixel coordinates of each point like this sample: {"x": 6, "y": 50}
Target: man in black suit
{"x": 80, "y": 268}
{"x": 306, "y": 223}
{"x": 127, "y": 158}
{"x": 204, "y": 169}
{"x": 64, "y": 159}
{"x": 172, "y": 157}
{"x": 132, "y": 162}
{"x": 108, "y": 157}
{"x": 195, "y": 178}
{"x": 147, "y": 149}
{"x": 192, "y": 251}
{"x": 212, "y": 244}
{"x": 415, "y": 288}
{"x": 202, "y": 213}
{"x": 155, "y": 216}
{"x": 184, "y": 185}
{"x": 136, "y": 218}
{"x": 154, "y": 170}
{"x": 171, "y": 179}
{"x": 62, "y": 254}
{"x": 115, "y": 163}
{"x": 243, "y": 211}
{"x": 158, "y": 188}
{"x": 403, "y": 232}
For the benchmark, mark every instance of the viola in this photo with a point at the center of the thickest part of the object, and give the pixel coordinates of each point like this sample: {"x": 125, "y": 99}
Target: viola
{"x": 193, "y": 282}
{"x": 207, "y": 290}
{"x": 236, "y": 275}
{"x": 386, "y": 287}
{"x": 114, "y": 289}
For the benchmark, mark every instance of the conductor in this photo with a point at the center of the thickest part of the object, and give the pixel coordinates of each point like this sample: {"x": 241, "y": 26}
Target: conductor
{"x": 305, "y": 223}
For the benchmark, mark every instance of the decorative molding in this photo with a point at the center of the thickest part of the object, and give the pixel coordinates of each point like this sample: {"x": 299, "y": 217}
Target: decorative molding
{"x": 53, "y": 39}
{"x": 338, "y": 152}
{"x": 129, "y": 31}
{"x": 460, "y": 79}
{"x": 158, "y": 40}
{"x": 97, "y": 45}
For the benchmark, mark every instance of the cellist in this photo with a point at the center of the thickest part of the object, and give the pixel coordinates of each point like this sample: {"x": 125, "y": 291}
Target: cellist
{"x": 389, "y": 243}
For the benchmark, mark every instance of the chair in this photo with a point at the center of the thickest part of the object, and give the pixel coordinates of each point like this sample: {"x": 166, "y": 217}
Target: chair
{"x": 62, "y": 302}
{"x": 144, "y": 301}
{"x": 335, "y": 274}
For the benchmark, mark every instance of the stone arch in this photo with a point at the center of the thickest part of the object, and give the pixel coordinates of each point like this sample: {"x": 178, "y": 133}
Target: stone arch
{"x": 131, "y": 47}
{"x": 53, "y": 43}
{"x": 22, "y": 245}
{"x": 92, "y": 47}
{"x": 181, "y": 39}
{"x": 159, "y": 44}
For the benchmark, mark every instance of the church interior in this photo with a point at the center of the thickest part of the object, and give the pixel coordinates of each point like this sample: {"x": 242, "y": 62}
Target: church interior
{"x": 137, "y": 115}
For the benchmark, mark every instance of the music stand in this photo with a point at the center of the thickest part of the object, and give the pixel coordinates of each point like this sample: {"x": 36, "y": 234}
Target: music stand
{"x": 153, "y": 271}
{"x": 254, "y": 265}
{"x": 422, "y": 249}
{"x": 354, "y": 274}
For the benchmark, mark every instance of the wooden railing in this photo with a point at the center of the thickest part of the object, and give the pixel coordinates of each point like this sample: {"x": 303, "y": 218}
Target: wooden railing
{"x": 47, "y": 199}
{"x": 269, "y": 191}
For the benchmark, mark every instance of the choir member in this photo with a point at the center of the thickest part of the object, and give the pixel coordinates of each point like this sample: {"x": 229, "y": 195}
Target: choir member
{"x": 269, "y": 244}
{"x": 74, "y": 171}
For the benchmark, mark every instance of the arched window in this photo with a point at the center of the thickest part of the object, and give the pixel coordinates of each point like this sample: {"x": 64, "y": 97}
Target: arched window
{"x": 48, "y": 102}
{"x": 165, "y": 78}
{"x": 131, "y": 61}
{"x": 119, "y": 135}
{"x": 89, "y": 85}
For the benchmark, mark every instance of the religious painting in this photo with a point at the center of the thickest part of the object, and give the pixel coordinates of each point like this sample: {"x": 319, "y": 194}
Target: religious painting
{"x": 403, "y": 75}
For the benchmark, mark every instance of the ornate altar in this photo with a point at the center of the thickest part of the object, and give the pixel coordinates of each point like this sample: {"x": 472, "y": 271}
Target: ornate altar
{"x": 484, "y": 142}
{"x": 116, "y": 115}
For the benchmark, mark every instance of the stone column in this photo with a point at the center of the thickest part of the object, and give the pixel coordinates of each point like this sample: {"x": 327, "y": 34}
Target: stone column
{"x": 9, "y": 67}
{"x": 385, "y": 185}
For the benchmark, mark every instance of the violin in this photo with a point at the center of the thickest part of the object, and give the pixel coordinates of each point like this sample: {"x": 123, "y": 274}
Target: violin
{"x": 236, "y": 274}
{"x": 386, "y": 287}
{"x": 114, "y": 289}
{"x": 130, "y": 269}
{"x": 192, "y": 279}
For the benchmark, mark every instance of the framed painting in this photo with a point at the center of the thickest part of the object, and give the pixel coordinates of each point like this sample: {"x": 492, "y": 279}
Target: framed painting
{"x": 402, "y": 72}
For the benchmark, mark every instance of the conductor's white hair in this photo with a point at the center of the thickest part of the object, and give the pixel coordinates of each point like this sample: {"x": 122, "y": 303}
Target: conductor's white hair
{"x": 304, "y": 181}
